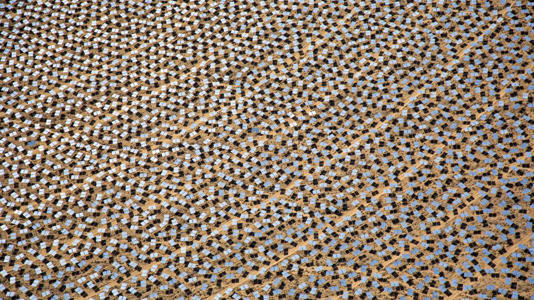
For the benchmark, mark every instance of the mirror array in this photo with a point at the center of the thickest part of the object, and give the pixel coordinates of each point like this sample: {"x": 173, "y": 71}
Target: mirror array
{"x": 259, "y": 149}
